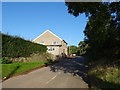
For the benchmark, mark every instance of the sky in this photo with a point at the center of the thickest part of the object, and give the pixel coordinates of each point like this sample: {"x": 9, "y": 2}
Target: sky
{"x": 30, "y": 19}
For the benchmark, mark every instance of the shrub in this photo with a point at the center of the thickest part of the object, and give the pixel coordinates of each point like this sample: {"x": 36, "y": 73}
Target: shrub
{"x": 18, "y": 47}
{"x": 49, "y": 61}
{"x": 5, "y": 61}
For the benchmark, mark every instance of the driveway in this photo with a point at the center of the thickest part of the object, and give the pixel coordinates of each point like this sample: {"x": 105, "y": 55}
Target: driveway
{"x": 67, "y": 73}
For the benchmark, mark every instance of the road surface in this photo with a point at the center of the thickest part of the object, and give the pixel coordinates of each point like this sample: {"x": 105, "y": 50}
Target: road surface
{"x": 67, "y": 73}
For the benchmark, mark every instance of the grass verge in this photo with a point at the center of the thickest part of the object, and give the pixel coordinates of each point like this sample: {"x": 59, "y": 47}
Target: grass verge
{"x": 103, "y": 75}
{"x": 17, "y": 68}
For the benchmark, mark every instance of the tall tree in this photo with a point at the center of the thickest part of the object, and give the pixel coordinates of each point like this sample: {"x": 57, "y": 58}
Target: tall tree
{"x": 103, "y": 28}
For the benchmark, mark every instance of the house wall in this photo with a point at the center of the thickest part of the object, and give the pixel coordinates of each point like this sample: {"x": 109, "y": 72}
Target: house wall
{"x": 48, "y": 39}
{"x": 55, "y": 51}
{"x": 64, "y": 48}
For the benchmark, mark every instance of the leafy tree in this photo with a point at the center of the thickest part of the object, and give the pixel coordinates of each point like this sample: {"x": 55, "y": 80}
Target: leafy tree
{"x": 73, "y": 49}
{"x": 103, "y": 28}
{"x": 82, "y": 48}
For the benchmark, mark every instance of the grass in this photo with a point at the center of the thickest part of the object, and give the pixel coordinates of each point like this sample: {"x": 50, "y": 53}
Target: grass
{"x": 104, "y": 75}
{"x": 17, "y": 68}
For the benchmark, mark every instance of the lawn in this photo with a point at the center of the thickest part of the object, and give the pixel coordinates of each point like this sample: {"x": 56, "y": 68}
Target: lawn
{"x": 17, "y": 68}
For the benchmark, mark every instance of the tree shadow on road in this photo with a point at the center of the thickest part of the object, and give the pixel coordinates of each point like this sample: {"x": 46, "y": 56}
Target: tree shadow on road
{"x": 75, "y": 66}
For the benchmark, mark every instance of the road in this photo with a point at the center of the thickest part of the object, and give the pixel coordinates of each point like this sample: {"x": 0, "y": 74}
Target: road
{"x": 67, "y": 73}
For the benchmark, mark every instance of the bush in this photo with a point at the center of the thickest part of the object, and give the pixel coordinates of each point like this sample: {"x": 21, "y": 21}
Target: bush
{"x": 5, "y": 61}
{"x": 49, "y": 61}
{"x": 18, "y": 47}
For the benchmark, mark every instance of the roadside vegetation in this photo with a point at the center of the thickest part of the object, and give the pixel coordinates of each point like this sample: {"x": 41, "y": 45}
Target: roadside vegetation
{"x": 19, "y": 55}
{"x": 104, "y": 74}
{"x": 14, "y": 46}
{"x": 80, "y": 50}
{"x": 17, "y": 68}
{"x": 73, "y": 50}
{"x": 102, "y": 41}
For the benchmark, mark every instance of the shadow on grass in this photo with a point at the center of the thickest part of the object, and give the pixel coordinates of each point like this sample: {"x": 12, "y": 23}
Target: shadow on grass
{"x": 12, "y": 73}
{"x": 95, "y": 82}
{"x": 75, "y": 66}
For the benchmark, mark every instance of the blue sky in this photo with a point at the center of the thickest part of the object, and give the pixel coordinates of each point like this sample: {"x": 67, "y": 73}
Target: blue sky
{"x": 30, "y": 19}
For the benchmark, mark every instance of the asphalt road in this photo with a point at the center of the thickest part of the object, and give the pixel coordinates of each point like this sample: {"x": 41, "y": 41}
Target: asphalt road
{"x": 67, "y": 73}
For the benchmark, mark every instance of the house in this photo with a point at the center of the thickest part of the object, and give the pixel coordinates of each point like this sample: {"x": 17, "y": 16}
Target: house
{"x": 55, "y": 44}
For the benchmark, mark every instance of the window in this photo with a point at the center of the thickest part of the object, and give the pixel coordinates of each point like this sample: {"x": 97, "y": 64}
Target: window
{"x": 51, "y": 49}
{"x": 55, "y": 42}
{"x": 41, "y": 42}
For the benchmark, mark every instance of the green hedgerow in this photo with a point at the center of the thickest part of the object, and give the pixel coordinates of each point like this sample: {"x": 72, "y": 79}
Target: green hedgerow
{"x": 18, "y": 47}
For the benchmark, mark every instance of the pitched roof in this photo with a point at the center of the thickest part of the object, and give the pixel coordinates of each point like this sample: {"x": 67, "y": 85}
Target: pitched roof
{"x": 50, "y": 32}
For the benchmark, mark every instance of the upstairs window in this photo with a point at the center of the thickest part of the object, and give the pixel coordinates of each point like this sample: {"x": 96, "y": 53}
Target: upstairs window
{"x": 55, "y": 42}
{"x": 41, "y": 42}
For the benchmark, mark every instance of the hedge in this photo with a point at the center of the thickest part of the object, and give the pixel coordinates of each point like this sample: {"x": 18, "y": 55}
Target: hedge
{"x": 13, "y": 46}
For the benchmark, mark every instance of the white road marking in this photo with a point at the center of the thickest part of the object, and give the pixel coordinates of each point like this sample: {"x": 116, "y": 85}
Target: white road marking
{"x": 52, "y": 78}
